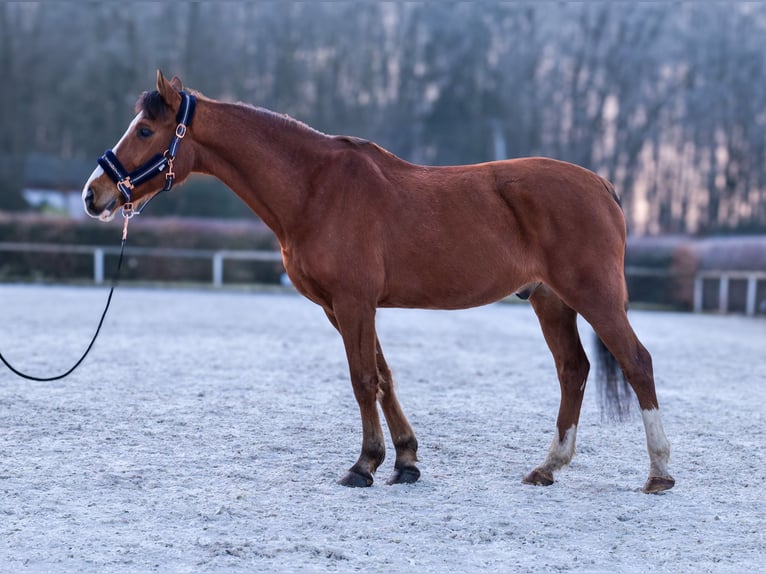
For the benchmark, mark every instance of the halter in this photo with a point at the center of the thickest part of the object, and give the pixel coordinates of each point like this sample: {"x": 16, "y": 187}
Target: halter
{"x": 126, "y": 182}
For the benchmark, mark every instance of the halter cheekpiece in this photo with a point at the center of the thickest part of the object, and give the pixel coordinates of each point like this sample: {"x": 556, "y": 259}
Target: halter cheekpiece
{"x": 126, "y": 182}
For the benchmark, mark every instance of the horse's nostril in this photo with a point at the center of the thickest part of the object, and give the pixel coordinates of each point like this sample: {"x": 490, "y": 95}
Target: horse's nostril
{"x": 88, "y": 197}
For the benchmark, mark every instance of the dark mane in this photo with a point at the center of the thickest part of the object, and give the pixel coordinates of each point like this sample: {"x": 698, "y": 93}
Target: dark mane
{"x": 289, "y": 121}
{"x": 283, "y": 118}
{"x": 152, "y": 105}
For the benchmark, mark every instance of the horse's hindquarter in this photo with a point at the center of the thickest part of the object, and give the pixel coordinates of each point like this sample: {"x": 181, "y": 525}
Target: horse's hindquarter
{"x": 469, "y": 235}
{"x": 573, "y": 226}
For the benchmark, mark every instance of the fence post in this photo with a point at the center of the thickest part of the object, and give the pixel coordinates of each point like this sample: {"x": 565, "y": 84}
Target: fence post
{"x": 723, "y": 294}
{"x": 217, "y": 269}
{"x": 752, "y": 283}
{"x": 698, "y": 285}
{"x": 98, "y": 266}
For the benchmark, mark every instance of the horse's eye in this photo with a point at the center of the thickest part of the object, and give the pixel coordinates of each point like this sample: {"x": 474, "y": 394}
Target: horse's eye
{"x": 144, "y": 132}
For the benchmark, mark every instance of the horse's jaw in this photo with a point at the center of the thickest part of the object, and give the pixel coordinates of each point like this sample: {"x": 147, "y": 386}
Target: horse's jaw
{"x": 108, "y": 213}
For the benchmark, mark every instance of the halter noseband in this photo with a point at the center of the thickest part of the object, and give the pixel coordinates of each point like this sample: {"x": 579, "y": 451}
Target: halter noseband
{"x": 126, "y": 182}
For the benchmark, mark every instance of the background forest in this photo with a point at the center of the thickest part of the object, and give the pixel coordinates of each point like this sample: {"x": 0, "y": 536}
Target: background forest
{"x": 668, "y": 100}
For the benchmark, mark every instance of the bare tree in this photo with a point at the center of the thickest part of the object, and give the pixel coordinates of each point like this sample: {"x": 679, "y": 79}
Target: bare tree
{"x": 667, "y": 100}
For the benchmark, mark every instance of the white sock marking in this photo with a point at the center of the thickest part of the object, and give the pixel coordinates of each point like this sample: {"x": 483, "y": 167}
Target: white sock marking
{"x": 656, "y": 442}
{"x": 561, "y": 452}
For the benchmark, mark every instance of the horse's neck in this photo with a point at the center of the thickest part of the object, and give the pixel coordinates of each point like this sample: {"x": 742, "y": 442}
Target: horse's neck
{"x": 265, "y": 159}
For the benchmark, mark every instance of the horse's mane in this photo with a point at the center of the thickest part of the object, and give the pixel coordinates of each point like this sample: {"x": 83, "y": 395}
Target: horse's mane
{"x": 283, "y": 118}
{"x": 154, "y": 108}
{"x": 289, "y": 121}
{"x": 152, "y": 105}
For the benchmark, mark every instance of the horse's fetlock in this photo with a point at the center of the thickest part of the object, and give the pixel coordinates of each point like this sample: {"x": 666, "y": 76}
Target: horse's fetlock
{"x": 375, "y": 454}
{"x": 376, "y": 462}
{"x": 409, "y": 443}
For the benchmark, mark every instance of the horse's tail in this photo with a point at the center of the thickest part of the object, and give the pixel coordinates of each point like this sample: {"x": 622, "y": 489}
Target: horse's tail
{"x": 613, "y": 192}
{"x": 614, "y": 391}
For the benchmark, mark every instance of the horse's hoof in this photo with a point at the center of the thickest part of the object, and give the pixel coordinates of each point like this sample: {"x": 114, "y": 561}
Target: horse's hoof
{"x": 355, "y": 479}
{"x": 658, "y": 483}
{"x": 539, "y": 478}
{"x": 405, "y": 475}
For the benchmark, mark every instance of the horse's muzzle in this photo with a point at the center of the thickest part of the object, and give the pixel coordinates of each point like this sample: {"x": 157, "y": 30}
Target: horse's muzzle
{"x": 88, "y": 202}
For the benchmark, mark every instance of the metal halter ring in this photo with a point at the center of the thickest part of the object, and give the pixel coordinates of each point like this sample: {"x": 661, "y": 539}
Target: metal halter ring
{"x": 127, "y": 210}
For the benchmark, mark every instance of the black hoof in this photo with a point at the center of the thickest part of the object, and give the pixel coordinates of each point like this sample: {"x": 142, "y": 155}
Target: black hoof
{"x": 405, "y": 475}
{"x": 657, "y": 484}
{"x": 355, "y": 479}
{"x": 539, "y": 478}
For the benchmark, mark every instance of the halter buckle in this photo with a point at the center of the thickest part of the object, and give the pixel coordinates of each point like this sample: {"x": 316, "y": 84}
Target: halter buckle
{"x": 170, "y": 174}
{"x": 125, "y": 183}
{"x": 180, "y": 131}
{"x": 128, "y": 210}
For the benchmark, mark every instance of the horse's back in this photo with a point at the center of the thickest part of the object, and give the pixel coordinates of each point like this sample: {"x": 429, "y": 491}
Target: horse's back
{"x": 454, "y": 237}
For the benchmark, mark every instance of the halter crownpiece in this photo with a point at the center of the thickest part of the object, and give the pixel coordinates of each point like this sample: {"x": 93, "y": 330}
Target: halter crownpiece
{"x": 127, "y": 182}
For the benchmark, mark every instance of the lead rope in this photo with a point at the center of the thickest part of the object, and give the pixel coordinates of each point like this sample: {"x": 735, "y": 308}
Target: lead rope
{"x": 128, "y": 213}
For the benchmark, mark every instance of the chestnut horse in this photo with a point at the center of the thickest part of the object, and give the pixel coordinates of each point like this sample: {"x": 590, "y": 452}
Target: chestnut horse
{"x": 360, "y": 228}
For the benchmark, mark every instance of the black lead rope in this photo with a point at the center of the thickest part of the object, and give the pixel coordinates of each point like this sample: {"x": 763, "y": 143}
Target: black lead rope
{"x": 126, "y": 182}
{"x": 128, "y": 214}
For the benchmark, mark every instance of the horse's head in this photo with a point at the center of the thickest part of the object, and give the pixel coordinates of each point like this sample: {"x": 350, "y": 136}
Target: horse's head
{"x": 144, "y": 161}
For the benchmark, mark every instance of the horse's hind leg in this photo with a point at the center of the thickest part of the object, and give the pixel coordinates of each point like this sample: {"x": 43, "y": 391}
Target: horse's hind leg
{"x": 608, "y": 317}
{"x": 559, "y": 325}
{"x": 636, "y": 362}
{"x": 404, "y": 439}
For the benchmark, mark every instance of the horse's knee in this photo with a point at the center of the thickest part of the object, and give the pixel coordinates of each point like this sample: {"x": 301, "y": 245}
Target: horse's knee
{"x": 366, "y": 387}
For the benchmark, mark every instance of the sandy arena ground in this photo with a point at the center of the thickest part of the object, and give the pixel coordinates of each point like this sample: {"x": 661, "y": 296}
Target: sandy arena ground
{"x": 206, "y": 430}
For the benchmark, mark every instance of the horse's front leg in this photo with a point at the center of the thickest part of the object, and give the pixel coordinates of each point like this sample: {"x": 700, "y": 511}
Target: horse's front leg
{"x": 405, "y": 469}
{"x": 356, "y": 323}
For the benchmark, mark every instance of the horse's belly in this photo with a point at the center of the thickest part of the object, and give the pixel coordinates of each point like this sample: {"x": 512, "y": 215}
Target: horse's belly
{"x": 457, "y": 284}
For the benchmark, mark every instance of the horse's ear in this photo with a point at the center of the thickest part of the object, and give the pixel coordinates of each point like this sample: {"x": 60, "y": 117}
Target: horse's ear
{"x": 169, "y": 91}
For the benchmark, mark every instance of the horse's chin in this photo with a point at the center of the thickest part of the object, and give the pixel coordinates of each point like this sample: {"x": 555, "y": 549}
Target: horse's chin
{"x": 107, "y": 214}
{"x": 104, "y": 215}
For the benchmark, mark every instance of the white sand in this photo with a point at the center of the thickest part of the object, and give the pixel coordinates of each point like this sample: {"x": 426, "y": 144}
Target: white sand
{"x": 206, "y": 430}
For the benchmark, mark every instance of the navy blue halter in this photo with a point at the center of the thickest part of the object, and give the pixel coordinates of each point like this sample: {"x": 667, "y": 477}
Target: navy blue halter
{"x": 126, "y": 182}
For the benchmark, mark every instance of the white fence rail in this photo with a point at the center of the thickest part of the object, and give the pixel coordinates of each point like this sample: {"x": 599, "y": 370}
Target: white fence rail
{"x": 724, "y": 277}
{"x": 218, "y": 259}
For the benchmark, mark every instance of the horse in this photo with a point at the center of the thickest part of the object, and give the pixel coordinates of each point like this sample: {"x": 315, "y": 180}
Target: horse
{"x": 361, "y": 229}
